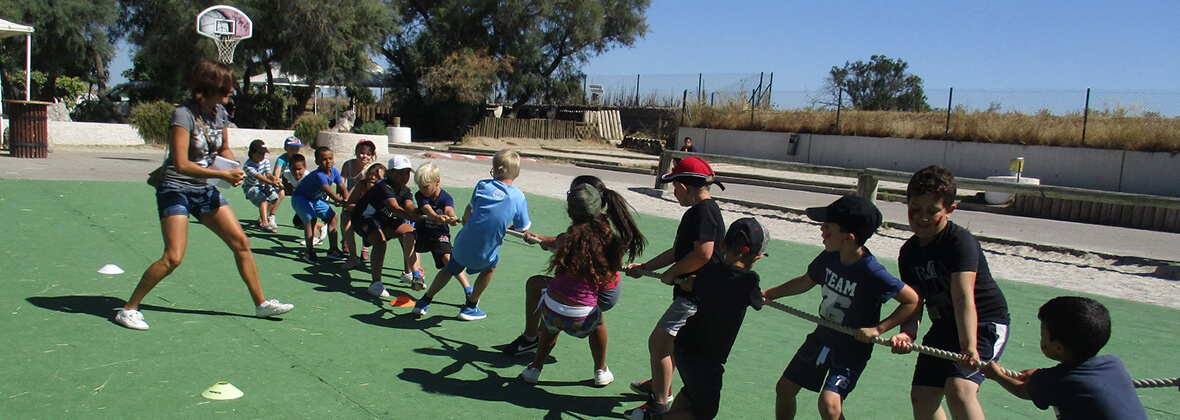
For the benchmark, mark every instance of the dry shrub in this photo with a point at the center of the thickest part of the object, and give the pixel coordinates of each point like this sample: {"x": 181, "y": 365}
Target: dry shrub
{"x": 1118, "y": 129}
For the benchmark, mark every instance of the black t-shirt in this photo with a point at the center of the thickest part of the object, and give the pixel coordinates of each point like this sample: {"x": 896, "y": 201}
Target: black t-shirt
{"x": 928, "y": 270}
{"x": 723, "y": 292}
{"x": 372, "y": 204}
{"x": 689, "y": 149}
{"x": 439, "y": 205}
{"x": 702, "y": 222}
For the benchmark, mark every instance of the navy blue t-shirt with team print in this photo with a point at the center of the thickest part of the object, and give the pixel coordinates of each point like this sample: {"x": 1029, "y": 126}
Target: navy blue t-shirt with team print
{"x": 702, "y": 222}
{"x": 439, "y": 204}
{"x": 372, "y": 204}
{"x": 852, "y": 295}
{"x": 928, "y": 270}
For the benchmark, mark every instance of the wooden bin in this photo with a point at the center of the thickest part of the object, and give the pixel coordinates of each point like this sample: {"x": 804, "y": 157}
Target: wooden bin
{"x": 28, "y": 124}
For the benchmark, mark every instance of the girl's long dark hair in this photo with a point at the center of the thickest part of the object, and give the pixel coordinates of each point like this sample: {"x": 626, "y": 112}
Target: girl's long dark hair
{"x": 597, "y": 255}
{"x": 619, "y": 212}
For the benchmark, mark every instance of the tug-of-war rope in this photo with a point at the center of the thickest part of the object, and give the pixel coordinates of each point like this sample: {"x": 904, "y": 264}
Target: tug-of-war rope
{"x": 939, "y": 353}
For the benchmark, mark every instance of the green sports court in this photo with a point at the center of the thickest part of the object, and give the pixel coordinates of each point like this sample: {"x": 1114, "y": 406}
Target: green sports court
{"x": 347, "y": 355}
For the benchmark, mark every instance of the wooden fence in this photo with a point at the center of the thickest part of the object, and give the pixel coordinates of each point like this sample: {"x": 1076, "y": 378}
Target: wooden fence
{"x": 496, "y": 128}
{"x": 374, "y": 112}
{"x": 1063, "y": 203}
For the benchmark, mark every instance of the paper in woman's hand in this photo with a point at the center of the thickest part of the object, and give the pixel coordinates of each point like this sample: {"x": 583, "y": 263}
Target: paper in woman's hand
{"x": 222, "y": 164}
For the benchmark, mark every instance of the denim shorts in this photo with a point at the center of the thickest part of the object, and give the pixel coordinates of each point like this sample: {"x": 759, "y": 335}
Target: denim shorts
{"x": 176, "y": 201}
{"x": 311, "y": 210}
{"x": 454, "y": 267}
{"x": 261, "y": 192}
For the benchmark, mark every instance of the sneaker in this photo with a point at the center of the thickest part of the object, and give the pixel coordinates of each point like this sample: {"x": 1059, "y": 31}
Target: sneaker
{"x": 336, "y": 255}
{"x": 271, "y": 308}
{"x": 365, "y": 253}
{"x": 471, "y": 313}
{"x": 309, "y": 257}
{"x": 521, "y": 345}
{"x": 641, "y": 387}
{"x": 530, "y": 374}
{"x": 131, "y": 318}
{"x": 420, "y": 308}
{"x": 407, "y": 277}
{"x": 648, "y": 410}
{"x": 378, "y": 289}
{"x": 418, "y": 282}
{"x": 603, "y": 377}
{"x": 270, "y": 220}
{"x": 323, "y": 232}
{"x": 350, "y": 264}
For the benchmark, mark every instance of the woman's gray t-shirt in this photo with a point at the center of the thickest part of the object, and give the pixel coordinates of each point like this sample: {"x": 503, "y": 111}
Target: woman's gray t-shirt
{"x": 205, "y": 138}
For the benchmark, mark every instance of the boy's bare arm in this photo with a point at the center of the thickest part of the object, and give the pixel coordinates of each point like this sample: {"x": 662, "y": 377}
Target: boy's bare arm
{"x": 907, "y": 300}
{"x": 908, "y": 331}
{"x": 1015, "y": 386}
{"x": 467, "y": 214}
{"x": 966, "y": 318}
{"x": 791, "y": 287}
{"x": 399, "y": 209}
{"x": 697, "y": 258}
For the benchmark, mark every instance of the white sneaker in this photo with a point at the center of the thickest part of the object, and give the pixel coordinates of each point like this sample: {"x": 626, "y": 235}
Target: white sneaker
{"x": 271, "y": 308}
{"x": 271, "y": 221}
{"x": 530, "y": 375}
{"x": 131, "y": 318}
{"x": 408, "y": 277}
{"x": 603, "y": 377}
{"x": 378, "y": 289}
{"x": 323, "y": 233}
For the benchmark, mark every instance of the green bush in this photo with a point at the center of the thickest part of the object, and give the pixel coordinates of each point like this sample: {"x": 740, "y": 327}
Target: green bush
{"x": 152, "y": 120}
{"x": 259, "y": 109}
{"x": 307, "y": 126}
{"x": 371, "y": 127}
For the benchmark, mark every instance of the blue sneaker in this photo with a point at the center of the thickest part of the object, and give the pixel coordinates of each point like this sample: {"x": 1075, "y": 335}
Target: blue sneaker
{"x": 420, "y": 308}
{"x": 469, "y": 313}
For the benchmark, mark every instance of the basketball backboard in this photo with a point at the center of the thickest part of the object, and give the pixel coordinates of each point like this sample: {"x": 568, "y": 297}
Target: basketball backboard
{"x": 221, "y": 21}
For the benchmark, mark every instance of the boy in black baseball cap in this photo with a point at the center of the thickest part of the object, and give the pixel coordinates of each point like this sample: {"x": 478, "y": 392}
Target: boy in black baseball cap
{"x": 854, "y": 287}
{"x": 723, "y": 292}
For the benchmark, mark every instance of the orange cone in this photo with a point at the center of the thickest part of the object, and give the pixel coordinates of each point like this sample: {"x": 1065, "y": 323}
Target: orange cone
{"x": 402, "y": 301}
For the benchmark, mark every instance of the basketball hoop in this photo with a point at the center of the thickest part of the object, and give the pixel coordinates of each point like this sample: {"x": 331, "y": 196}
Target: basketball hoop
{"x": 227, "y": 26}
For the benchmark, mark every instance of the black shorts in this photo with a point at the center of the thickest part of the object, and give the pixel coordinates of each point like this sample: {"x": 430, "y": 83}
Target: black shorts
{"x": 365, "y": 226}
{"x": 817, "y": 367}
{"x": 702, "y": 382}
{"x": 437, "y": 244}
{"x": 933, "y": 372}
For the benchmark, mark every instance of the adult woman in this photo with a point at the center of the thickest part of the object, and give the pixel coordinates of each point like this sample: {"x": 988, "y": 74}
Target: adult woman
{"x": 198, "y": 136}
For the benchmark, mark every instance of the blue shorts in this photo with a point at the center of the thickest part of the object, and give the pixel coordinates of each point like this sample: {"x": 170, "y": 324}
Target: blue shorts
{"x": 991, "y": 338}
{"x": 175, "y": 201}
{"x": 454, "y": 267}
{"x": 817, "y": 367}
{"x": 702, "y": 382}
{"x": 311, "y": 210}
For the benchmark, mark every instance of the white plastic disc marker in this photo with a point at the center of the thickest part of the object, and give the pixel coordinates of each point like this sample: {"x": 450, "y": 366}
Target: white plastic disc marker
{"x": 110, "y": 269}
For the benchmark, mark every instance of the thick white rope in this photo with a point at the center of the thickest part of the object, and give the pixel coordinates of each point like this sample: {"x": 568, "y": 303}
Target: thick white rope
{"x": 927, "y": 350}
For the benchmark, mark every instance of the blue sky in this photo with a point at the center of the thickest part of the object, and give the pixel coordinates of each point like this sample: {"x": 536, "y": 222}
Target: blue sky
{"x": 978, "y": 44}
{"x": 981, "y": 45}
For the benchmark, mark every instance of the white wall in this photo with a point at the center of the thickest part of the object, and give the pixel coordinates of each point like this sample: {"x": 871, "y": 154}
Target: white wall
{"x": 1108, "y": 170}
{"x": 87, "y": 133}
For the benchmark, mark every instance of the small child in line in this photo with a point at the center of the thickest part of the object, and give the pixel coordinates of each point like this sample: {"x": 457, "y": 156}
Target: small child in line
{"x": 291, "y": 148}
{"x": 854, "y": 286}
{"x": 587, "y": 262}
{"x": 725, "y": 291}
{"x": 495, "y": 206}
{"x": 373, "y": 175}
{"x": 697, "y": 242}
{"x": 619, "y": 213}
{"x": 261, "y": 186}
{"x": 308, "y": 201}
{"x": 433, "y": 231}
{"x": 1084, "y": 385}
{"x": 384, "y": 213}
{"x": 968, "y": 312}
{"x": 354, "y": 172}
{"x": 297, "y": 169}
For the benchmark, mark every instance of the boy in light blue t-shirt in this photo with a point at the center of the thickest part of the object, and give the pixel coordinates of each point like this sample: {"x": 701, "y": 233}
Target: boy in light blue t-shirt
{"x": 495, "y": 207}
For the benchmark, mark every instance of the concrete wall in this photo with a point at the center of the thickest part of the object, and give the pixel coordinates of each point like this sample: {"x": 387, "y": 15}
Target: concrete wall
{"x": 86, "y": 133}
{"x": 241, "y": 137}
{"x": 1108, "y": 170}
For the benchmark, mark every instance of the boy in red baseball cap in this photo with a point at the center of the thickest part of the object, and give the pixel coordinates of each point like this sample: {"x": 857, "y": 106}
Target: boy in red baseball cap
{"x": 698, "y": 240}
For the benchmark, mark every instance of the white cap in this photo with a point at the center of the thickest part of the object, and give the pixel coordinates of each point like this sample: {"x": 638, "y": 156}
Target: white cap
{"x": 399, "y": 162}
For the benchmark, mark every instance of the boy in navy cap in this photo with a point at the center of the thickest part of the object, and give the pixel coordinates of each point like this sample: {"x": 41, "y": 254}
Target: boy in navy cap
{"x": 703, "y": 345}
{"x": 854, "y": 285}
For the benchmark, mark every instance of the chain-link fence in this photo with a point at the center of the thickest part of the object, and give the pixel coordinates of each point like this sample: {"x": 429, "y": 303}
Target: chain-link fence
{"x": 673, "y": 91}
